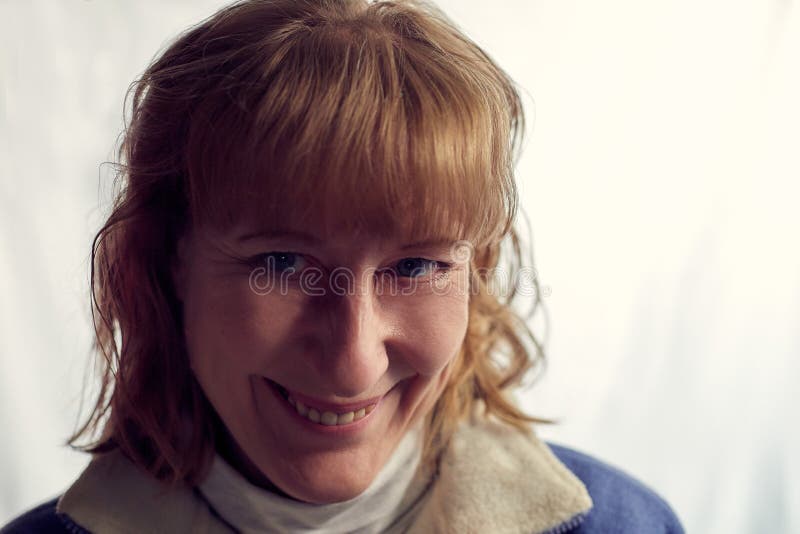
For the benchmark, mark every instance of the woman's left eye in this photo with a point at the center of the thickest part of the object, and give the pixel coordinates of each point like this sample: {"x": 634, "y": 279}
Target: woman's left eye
{"x": 417, "y": 267}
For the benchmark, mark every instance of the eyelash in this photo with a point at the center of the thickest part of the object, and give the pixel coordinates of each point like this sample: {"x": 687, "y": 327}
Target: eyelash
{"x": 442, "y": 268}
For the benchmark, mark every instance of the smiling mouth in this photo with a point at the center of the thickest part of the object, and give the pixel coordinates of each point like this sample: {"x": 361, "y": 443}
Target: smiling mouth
{"x": 320, "y": 415}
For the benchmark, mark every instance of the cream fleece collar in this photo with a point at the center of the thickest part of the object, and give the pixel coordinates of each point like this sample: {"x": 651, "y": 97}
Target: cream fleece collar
{"x": 496, "y": 479}
{"x": 493, "y": 478}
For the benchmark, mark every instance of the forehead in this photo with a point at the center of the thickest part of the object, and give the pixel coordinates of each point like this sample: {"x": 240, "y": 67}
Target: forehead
{"x": 313, "y": 238}
{"x": 330, "y": 209}
{"x": 341, "y": 233}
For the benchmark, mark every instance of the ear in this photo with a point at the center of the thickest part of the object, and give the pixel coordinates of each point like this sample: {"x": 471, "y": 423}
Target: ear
{"x": 179, "y": 265}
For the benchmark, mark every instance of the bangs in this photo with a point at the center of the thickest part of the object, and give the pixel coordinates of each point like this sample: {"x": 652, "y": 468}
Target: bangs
{"x": 382, "y": 122}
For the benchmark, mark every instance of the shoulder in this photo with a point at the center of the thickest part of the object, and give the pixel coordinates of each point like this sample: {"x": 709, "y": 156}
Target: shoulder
{"x": 621, "y": 503}
{"x": 42, "y": 520}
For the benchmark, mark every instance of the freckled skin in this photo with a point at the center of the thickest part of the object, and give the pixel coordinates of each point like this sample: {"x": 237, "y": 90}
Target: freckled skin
{"x": 340, "y": 348}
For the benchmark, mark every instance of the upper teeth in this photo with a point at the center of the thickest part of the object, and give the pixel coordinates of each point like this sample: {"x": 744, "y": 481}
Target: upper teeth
{"x": 329, "y": 418}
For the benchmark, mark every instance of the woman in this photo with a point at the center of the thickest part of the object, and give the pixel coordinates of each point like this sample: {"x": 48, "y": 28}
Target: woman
{"x": 294, "y": 295}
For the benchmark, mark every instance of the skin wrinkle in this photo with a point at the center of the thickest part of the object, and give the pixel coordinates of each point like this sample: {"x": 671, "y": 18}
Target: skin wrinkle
{"x": 339, "y": 348}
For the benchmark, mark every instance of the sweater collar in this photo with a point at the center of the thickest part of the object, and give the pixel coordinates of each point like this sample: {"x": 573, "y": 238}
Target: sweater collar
{"x": 492, "y": 478}
{"x": 495, "y": 478}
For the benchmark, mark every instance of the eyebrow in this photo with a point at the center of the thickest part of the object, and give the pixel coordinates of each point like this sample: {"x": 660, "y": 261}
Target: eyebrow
{"x": 436, "y": 242}
{"x": 308, "y": 239}
{"x": 298, "y": 236}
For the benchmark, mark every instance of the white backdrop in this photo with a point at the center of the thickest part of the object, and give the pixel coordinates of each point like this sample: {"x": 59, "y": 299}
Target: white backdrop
{"x": 660, "y": 176}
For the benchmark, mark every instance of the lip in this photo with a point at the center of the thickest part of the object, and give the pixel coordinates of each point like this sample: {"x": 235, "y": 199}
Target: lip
{"x": 319, "y": 429}
{"x": 332, "y": 407}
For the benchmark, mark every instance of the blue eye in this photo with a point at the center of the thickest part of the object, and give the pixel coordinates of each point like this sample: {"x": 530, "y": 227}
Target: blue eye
{"x": 279, "y": 262}
{"x": 416, "y": 267}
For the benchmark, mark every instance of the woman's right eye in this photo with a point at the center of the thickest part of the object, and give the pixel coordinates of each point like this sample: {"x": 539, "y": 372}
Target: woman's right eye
{"x": 279, "y": 262}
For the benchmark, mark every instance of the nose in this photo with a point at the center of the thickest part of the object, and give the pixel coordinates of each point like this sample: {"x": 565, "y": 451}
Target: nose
{"x": 355, "y": 357}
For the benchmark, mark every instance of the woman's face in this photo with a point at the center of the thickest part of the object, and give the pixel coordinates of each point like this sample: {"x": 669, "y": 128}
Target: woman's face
{"x": 358, "y": 337}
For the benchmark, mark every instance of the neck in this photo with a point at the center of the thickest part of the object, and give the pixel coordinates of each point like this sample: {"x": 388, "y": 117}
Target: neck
{"x": 233, "y": 454}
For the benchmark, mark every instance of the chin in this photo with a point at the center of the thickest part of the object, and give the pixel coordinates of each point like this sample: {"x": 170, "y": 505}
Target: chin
{"x": 326, "y": 486}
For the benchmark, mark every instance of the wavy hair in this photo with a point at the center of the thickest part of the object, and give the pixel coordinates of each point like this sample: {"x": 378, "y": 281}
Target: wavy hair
{"x": 276, "y": 110}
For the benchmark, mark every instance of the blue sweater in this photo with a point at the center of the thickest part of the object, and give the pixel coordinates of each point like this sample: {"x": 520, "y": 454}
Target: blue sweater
{"x": 622, "y": 505}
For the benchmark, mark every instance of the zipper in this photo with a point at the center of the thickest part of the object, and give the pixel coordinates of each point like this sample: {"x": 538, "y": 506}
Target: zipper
{"x": 568, "y": 525}
{"x": 72, "y": 526}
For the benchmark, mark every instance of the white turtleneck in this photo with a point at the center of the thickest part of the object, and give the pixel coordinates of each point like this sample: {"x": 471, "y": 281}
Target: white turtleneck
{"x": 386, "y": 505}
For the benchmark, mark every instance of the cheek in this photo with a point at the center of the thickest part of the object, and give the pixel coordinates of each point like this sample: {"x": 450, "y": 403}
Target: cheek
{"x": 232, "y": 331}
{"x": 436, "y": 326}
